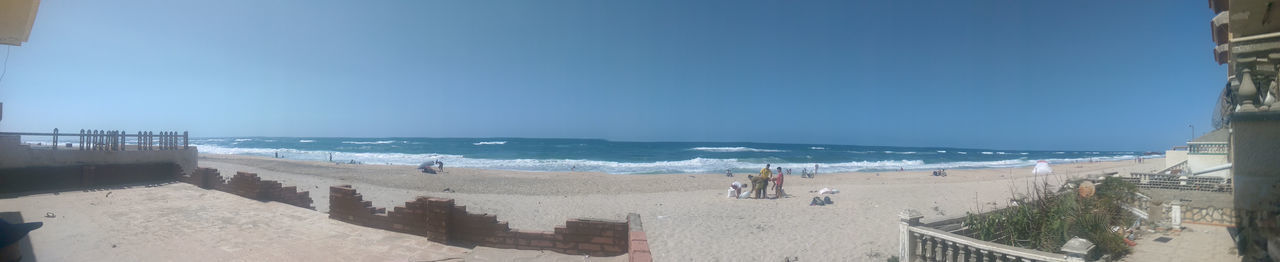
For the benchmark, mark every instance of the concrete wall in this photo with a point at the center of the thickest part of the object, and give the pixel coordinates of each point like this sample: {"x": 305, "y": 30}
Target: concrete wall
{"x": 14, "y": 155}
{"x": 54, "y": 178}
{"x": 1255, "y": 148}
{"x": 1202, "y": 207}
{"x": 1198, "y": 162}
{"x": 1173, "y": 157}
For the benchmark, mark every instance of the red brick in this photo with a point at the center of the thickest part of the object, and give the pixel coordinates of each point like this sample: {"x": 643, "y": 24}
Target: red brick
{"x": 566, "y": 245}
{"x": 613, "y": 249}
{"x": 541, "y": 243}
{"x": 639, "y": 245}
{"x": 638, "y": 235}
{"x": 641, "y": 257}
{"x": 602, "y": 240}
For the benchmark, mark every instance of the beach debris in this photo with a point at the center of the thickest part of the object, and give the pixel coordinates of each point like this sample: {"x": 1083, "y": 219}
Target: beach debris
{"x": 828, "y": 191}
{"x": 448, "y": 190}
{"x": 49, "y": 215}
{"x": 108, "y": 194}
{"x": 817, "y": 202}
{"x": 827, "y": 200}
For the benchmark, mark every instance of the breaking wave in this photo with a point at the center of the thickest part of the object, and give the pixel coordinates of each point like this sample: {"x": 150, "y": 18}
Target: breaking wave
{"x": 694, "y": 165}
{"x": 733, "y": 149}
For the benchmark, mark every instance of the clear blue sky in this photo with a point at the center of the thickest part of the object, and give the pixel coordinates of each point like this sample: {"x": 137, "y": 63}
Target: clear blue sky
{"x": 1123, "y": 75}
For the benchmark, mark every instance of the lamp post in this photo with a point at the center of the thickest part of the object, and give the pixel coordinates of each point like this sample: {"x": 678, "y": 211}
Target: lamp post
{"x": 1193, "y": 132}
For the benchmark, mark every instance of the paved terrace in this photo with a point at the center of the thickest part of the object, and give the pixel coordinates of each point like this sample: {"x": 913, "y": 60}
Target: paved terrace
{"x": 179, "y": 221}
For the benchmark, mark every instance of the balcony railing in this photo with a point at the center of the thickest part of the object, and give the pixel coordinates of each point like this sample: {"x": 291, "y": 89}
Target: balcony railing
{"x": 918, "y": 242}
{"x": 114, "y": 140}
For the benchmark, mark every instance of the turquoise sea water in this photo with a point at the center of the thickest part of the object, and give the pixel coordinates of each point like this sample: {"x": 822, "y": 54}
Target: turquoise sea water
{"x": 635, "y": 157}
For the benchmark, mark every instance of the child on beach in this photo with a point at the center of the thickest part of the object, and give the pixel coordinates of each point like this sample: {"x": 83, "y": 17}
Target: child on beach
{"x": 777, "y": 184}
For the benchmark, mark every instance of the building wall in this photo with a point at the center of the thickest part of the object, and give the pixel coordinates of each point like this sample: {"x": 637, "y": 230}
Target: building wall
{"x": 1173, "y": 157}
{"x": 20, "y": 156}
{"x": 1198, "y": 162}
{"x": 1255, "y": 147}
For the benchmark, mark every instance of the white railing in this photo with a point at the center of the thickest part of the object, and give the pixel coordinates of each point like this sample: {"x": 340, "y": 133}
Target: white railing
{"x": 921, "y": 243}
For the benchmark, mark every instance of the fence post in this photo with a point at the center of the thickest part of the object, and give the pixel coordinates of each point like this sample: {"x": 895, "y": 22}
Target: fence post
{"x": 907, "y": 219}
{"x": 55, "y": 139}
{"x": 1076, "y": 249}
{"x": 1175, "y": 213}
{"x": 185, "y": 142}
{"x": 81, "y": 139}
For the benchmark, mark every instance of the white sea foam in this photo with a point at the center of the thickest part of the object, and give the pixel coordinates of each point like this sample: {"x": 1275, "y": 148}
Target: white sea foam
{"x": 818, "y": 148}
{"x": 733, "y": 149}
{"x": 306, "y": 141}
{"x": 490, "y": 143}
{"x": 1058, "y": 153}
{"x": 987, "y": 153}
{"x": 369, "y": 143}
{"x": 243, "y": 139}
{"x": 942, "y": 151}
{"x": 695, "y": 165}
{"x": 962, "y": 153}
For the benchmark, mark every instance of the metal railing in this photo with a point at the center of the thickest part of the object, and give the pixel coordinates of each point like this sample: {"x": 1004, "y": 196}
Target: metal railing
{"x": 117, "y": 140}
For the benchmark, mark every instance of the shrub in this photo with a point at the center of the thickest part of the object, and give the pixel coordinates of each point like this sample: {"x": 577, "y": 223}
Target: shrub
{"x": 1049, "y": 219}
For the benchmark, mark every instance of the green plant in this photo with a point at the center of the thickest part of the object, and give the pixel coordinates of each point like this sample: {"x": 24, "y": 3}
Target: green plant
{"x": 1047, "y": 220}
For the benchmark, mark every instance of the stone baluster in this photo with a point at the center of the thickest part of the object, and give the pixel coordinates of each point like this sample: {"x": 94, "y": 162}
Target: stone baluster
{"x": 1076, "y": 249}
{"x": 906, "y": 242}
{"x": 933, "y": 249}
{"x": 164, "y": 140}
{"x": 953, "y": 251}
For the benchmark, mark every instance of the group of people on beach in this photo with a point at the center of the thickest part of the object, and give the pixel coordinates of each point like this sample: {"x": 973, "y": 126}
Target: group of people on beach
{"x": 760, "y": 183}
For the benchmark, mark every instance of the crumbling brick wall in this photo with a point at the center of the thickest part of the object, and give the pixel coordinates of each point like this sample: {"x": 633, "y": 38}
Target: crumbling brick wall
{"x": 250, "y": 186}
{"x": 442, "y": 221}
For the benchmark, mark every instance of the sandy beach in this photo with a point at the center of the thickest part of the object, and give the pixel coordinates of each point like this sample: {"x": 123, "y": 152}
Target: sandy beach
{"x": 687, "y": 216}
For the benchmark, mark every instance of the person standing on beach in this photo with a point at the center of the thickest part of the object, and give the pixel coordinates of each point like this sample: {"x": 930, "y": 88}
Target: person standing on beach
{"x": 728, "y": 172}
{"x": 765, "y": 175}
{"x": 777, "y": 184}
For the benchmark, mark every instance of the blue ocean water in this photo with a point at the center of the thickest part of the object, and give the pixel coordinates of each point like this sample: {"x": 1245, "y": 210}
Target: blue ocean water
{"x": 616, "y": 157}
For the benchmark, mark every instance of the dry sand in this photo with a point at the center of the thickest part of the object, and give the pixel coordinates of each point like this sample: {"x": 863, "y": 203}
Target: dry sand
{"x": 687, "y": 216}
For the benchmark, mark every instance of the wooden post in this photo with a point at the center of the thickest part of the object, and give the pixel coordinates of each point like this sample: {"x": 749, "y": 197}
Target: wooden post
{"x": 81, "y": 139}
{"x": 185, "y": 144}
{"x": 55, "y": 139}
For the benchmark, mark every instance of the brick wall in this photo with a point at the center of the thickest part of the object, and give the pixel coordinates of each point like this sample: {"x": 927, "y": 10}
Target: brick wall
{"x": 638, "y": 242}
{"x": 250, "y": 186}
{"x": 442, "y": 221}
